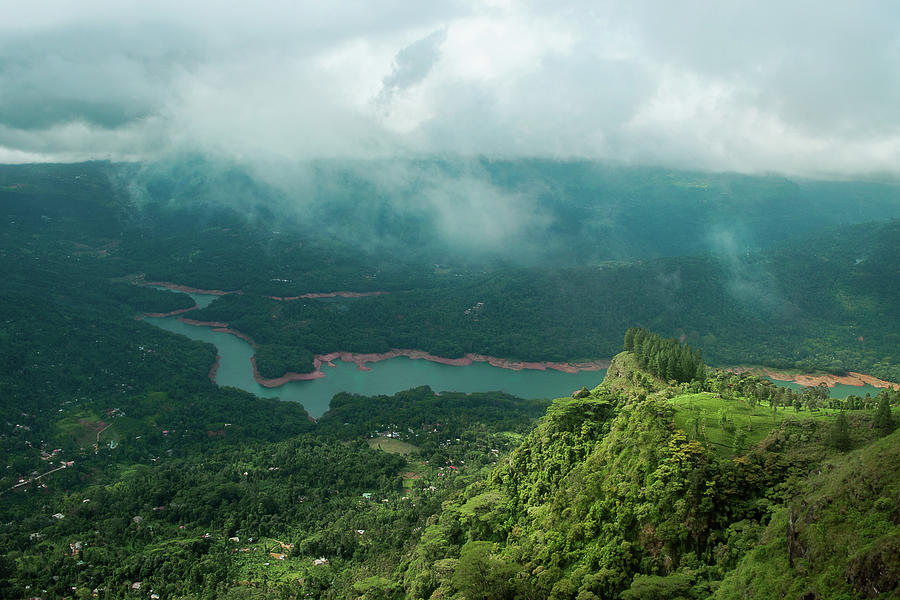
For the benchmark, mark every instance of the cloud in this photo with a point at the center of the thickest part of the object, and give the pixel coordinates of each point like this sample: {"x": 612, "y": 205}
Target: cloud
{"x": 804, "y": 89}
{"x": 749, "y": 282}
{"x": 412, "y": 64}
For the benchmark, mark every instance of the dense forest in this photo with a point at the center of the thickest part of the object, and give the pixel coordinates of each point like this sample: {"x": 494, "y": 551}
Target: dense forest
{"x": 629, "y": 492}
{"x": 667, "y": 359}
{"x": 129, "y": 473}
{"x": 824, "y": 303}
{"x": 636, "y": 487}
{"x": 823, "y": 300}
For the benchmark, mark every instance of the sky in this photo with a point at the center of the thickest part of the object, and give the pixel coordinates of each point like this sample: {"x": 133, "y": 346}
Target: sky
{"x": 801, "y": 88}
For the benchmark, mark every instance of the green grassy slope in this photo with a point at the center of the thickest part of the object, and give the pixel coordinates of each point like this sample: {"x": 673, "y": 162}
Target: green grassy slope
{"x": 617, "y": 495}
{"x": 838, "y": 538}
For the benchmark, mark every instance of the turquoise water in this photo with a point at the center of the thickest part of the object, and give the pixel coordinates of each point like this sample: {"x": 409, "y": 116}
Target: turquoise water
{"x": 397, "y": 374}
{"x": 203, "y": 300}
{"x": 838, "y": 391}
{"x": 385, "y": 377}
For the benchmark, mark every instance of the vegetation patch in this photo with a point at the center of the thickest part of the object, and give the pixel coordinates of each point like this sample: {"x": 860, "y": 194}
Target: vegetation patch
{"x": 80, "y": 429}
{"x": 735, "y": 425}
{"x": 839, "y": 536}
{"x": 391, "y": 445}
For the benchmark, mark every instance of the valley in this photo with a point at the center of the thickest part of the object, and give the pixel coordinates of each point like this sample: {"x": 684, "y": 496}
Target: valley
{"x": 530, "y": 380}
{"x": 467, "y": 300}
{"x": 514, "y": 451}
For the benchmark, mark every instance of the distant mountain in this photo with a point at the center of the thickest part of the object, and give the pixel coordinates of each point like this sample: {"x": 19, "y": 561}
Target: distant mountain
{"x": 460, "y": 210}
{"x": 704, "y": 256}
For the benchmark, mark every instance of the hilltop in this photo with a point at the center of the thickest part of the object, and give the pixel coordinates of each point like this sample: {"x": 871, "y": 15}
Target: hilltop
{"x": 620, "y": 494}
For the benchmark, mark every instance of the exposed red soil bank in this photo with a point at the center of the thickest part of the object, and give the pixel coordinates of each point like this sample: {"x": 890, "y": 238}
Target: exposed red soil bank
{"x": 360, "y": 361}
{"x": 328, "y": 295}
{"x": 279, "y": 381}
{"x": 183, "y": 288}
{"x": 180, "y": 311}
{"x": 139, "y": 280}
{"x": 243, "y": 336}
{"x": 203, "y": 323}
{"x": 214, "y": 369}
{"x": 504, "y": 363}
{"x": 851, "y": 378}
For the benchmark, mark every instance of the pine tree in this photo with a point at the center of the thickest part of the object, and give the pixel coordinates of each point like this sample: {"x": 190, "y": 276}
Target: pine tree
{"x": 883, "y": 420}
{"x": 646, "y": 353}
{"x": 672, "y": 369}
{"x": 700, "y": 373}
{"x": 629, "y": 339}
{"x": 685, "y": 367}
{"x": 840, "y": 433}
{"x": 653, "y": 365}
{"x": 640, "y": 336}
{"x": 665, "y": 357}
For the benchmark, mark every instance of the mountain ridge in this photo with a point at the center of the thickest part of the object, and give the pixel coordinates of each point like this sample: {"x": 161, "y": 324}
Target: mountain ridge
{"x": 608, "y": 498}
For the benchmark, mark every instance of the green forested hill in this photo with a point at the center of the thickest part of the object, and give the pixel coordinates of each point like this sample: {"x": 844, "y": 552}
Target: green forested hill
{"x": 608, "y": 498}
{"x": 709, "y": 258}
{"x": 640, "y": 488}
{"x": 637, "y": 489}
{"x": 522, "y": 211}
{"x": 827, "y": 302}
{"x": 840, "y": 536}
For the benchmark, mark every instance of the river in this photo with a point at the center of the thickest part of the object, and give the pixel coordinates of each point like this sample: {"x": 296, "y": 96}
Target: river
{"x": 385, "y": 377}
{"x": 397, "y": 374}
{"x": 838, "y": 390}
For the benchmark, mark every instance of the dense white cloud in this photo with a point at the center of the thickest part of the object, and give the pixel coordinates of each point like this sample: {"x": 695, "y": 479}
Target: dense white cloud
{"x": 801, "y": 87}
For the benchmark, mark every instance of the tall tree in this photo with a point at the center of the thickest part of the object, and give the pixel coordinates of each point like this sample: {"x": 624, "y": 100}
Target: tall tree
{"x": 884, "y": 420}
{"x": 481, "y": 575}
{"x": 840, "y": 433}
{"x": 629, "y": 339}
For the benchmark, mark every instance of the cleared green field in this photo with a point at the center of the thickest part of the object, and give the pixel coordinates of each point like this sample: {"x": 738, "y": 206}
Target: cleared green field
{"x": 79, "y": 429}
{"x": 721, "y": 421}
{"x": 391, "y": 445}
{"x": 265, "y": 560}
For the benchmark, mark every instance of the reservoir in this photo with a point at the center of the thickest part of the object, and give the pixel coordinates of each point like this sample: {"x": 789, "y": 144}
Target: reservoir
{"x": 385, "y": 377}
{"x": 839, "y": 390}
{"x": 396, "y": 374}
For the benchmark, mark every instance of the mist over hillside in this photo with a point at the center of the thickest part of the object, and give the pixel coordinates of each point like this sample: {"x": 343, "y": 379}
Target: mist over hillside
{"x": 262, "y": 265}
{"x": 562, "y": 255}
{"x": 525, "y": 211}
{"x": 528, "y": 211}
